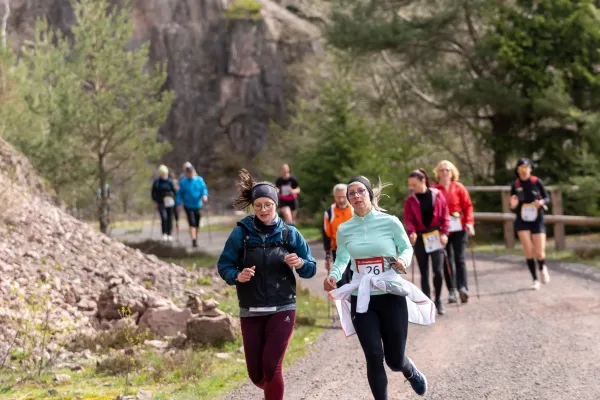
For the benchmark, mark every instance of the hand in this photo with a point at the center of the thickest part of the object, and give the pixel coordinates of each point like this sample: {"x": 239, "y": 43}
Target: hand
{"x": 399, "y": 266}
{"x": 246, "y": 274}
{"x": 205, "y": 199}
{"x": 539, "y": 203}
{"x": 413, "y": 238}
{"x": 155, "y": 205}
{"x": 470, "y": 230}
{"x": 443, "y": 239}
{"x": 329, "y": 284}
{"x": 294, "y": 261}
{"x": 514, "y": 201}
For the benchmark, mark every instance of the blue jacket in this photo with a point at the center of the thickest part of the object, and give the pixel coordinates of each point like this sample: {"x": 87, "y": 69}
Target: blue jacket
{"x": 230, "y": 258}
{"x": 191, "y": 191}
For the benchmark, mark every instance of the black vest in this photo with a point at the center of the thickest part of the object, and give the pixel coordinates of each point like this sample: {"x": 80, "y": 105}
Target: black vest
{"x": 273, "y": 283}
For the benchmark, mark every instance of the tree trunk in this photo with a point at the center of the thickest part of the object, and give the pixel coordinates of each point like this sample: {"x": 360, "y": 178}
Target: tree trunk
{"x": 103, "y": 203}
{"x": 501, "y": 145}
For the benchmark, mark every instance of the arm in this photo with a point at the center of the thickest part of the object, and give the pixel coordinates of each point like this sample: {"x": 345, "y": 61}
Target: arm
{"x": 326, "y": 233}
{"x": 409, "y": 218}
{"x": 445, "y": 217}
{"x": 204, "y": 188}
{"x": 513, "y": 194}
{"x": 295, "y": 186}
{"x": 543, "y": 192}
{"x": 309, "y": 269}
{"x": 342, "y": 258}
{"x": 467, "y": 206}
{"x": 405, "y": 250}
{"x": 154, "y": 193}
{"x": 228, "y": 261}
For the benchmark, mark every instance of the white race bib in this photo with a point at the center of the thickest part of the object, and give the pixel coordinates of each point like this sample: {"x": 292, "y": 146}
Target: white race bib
{"x": 432, "y": 241}
{"x": 262, "y": 309}
{"x": 455, "y": 224}
{"x": 529, "y": 212}
{"x": 286, "y": 190}
{"x": 168, "y": 202}
{"x": 370, "y": 266}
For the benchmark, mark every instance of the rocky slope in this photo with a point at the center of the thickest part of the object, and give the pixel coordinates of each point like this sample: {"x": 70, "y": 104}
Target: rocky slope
{"x": 231, "y": 76}
{"x": 57, "y": 269}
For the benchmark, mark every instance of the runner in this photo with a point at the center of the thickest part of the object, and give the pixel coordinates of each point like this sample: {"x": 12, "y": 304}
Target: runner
{"x": 528, "y": 199}
{"x": 462, "y": 223}
{"x": 192, "y": 194}
{"x": 288, "y": 189}
{"x": 259, "y": 257}
{"x": 339, "y": 212}
{"x": 381, "y": 326}
{"x": 163, "y": 196}
{"x": 427, "y": 221}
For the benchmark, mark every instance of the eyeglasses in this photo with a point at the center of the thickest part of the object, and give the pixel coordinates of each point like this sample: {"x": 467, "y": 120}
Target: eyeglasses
{"x": 260, "y": 207}
{"x": 358, "y": 193}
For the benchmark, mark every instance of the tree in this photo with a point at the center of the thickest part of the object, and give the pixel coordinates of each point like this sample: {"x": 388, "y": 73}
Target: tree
{"x": 492, "y": 68}
{"x": 102, "y": 103}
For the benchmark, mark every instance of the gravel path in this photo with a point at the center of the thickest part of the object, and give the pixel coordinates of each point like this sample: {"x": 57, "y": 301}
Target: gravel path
{"x": 513, "y": 343}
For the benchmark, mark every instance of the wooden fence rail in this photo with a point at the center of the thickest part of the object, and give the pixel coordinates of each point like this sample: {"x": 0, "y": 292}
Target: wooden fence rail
{"x": 556, "y": 217}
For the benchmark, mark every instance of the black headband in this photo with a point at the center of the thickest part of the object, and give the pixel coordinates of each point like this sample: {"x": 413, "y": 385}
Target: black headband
{"x": 264, "y": 190}
{"x": 364, "y": 181}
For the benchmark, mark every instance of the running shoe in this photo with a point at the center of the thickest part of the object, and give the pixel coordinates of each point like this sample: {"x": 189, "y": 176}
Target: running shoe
{"x": 418, "y": 381}
{"x": 452, "y": 297}
{"x": 464, "y": 295}
{"x": 536, "y": 285}
{"x": 545, "y": 275}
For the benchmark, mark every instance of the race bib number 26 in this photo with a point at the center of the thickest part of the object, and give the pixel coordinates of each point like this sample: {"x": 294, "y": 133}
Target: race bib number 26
{"x": 370, "y": 266}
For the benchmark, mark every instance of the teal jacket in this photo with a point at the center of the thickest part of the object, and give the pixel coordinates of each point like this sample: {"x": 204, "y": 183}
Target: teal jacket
{"x": 377, "y": 234}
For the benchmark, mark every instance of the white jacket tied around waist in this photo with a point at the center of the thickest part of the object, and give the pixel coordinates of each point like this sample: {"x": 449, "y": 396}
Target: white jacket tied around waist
{"x": 421, "y": 310}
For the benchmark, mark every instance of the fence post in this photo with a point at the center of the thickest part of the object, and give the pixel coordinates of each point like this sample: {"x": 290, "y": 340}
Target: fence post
{"x": 509, "y": 228}
{"x": 559, "y": 227}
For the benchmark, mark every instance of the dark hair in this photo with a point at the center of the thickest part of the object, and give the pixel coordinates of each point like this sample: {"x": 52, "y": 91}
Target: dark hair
{"x": 249, "y": 188}
{"x": 421, "y": 175}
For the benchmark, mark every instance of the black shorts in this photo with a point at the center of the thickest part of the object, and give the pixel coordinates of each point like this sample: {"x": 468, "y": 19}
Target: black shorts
{"x": 292, "y": 204}
{"x": 193, "y": 217}
{"x": 537, "y": 226}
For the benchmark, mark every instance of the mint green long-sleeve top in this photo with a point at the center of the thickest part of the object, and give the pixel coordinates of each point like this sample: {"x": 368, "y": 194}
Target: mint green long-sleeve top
{"x": 377, "y": 234}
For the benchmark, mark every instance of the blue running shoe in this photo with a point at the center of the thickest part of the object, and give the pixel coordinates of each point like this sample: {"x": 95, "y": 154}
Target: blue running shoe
{"x": 417, "y": 380}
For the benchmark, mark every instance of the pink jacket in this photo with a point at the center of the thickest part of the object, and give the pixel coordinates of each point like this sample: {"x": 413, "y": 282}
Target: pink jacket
{"x": 412, "y": 213}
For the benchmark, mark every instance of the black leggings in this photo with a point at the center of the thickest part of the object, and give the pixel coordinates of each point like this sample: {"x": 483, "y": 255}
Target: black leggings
{"x": 437, "y": 263}
{"x": 166, "y": 219}
{"x": 382, "y": 332}
{"x": 457, "y": 244}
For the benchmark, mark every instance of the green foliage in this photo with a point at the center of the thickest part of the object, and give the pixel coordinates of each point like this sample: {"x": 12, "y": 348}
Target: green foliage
{"x": 345, "y": 143}
{"x": 243, "y": 9}
{"x": 93, "y": 106}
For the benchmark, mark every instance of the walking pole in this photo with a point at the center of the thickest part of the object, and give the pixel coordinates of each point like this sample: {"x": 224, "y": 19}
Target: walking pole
{"x": 451, "y": 277}
{"x": 413, "y": 268}
{"x": 472, "y": 246}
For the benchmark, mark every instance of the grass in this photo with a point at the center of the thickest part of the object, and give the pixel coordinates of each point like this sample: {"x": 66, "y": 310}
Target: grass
{"x": 310, "y": 232}
{"x": 192, "y": 373}
{"x": 582, "y": 256}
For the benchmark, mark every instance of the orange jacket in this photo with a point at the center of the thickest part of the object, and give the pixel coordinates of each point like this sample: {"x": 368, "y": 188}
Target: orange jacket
{"x": 332, "y": 219}
{"x": 459, "y": 201}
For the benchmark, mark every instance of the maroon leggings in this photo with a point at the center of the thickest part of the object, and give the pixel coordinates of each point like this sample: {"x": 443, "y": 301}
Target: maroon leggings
{"x": 265, "y": 341}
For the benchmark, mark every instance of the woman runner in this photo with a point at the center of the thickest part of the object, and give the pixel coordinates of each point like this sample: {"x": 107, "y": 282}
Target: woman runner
{"x": 259, "y": 258}
{"x": 375, "y": 238}
{"x": 528, "y": 199}
{"x": 427, "y": 222}
{"x": 462, "y": 223}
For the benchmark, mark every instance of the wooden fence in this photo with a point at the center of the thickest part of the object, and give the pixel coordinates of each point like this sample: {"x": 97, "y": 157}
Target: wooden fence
{"x": 557, "y": 218}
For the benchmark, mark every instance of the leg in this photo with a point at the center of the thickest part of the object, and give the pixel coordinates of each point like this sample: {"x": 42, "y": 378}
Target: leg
{"x": 527, "y": 243}
{"x": 294, "y": 209}
{"x": 437, "y": 264}
{"x": 368, "y": 330}
{"x": 393, "y": 314}
{"x": 459, "y": 246}
{"x": 286, "y": 213}
{"x": 169, "y": 220}
{"x": 278, "y": 331}
{"x": 423, "y": 261}
{"x": 449, "y": 274}
{"x": 253, "y": 335}
{"x": 194, "y": 230}
{"x": 162, "y": 211}
{"x": 539, "y": 244}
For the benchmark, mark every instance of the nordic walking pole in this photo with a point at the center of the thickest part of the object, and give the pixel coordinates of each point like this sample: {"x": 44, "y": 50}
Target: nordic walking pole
{"x": 153, "y": 221}
{"x": 451, "y": 276}
{"x": 472, "y": 245}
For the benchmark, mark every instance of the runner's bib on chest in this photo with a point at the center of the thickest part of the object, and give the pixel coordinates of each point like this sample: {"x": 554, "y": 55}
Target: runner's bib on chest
{"x": 455, "y": 224}
{"x": 432, "y": 241}
{"x": 529, "y": 212}
{"x": 370, "y": 266}
{"x": 168, "y": 201}
{"x": 286, "y": 190}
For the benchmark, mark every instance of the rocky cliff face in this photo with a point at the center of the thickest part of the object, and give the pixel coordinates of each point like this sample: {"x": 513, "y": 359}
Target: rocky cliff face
{"x": 231, "y": 76}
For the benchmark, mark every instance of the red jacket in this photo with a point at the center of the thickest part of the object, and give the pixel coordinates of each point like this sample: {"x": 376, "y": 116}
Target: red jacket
{"x": 459, "y": 201}
{"x": 412, "y": 214}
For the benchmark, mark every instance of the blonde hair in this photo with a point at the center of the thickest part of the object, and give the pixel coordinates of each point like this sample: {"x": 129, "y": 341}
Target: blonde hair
{"x": 377, "y": 191}
{"x": 452, "y": 167}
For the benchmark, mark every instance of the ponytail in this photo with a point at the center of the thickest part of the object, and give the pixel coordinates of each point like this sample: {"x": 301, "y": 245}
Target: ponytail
{"x": 378, "y": 193}
{"x": 244, "y": 184}
{"x": 427, "y": 180}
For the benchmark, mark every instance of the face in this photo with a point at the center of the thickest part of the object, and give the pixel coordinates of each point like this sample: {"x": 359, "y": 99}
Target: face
{"x": 285, "y": 170}
{"x": 340, "y": 198}
{"x": 164, "y": 175}
{"x": 444, "y": 173}
{"x": 359, "y": 197}
{"x": 524, "y": 172}
{"x": 416, "y": 185}
{"x": 265, "y": 209}
{"x": 189, "y": 172}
